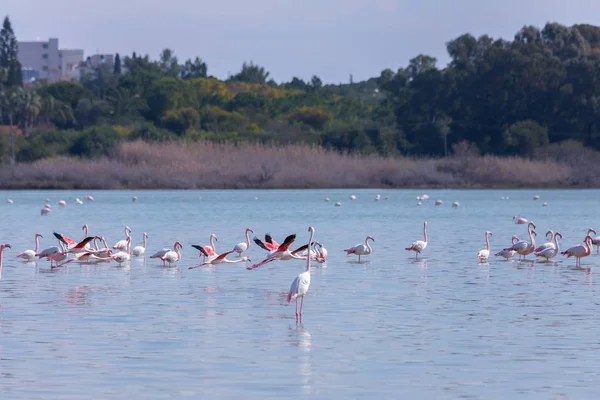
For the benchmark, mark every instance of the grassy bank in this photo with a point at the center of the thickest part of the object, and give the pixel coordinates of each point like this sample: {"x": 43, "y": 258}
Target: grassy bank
{"x": 196, "y": 165}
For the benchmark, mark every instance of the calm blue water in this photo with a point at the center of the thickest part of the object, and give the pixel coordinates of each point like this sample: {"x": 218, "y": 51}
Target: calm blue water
{"x": 444, "y": 327}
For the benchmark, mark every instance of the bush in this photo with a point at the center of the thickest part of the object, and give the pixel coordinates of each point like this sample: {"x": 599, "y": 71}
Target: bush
{"x": 95, "y": 142}
{"x": 148, "y": 132}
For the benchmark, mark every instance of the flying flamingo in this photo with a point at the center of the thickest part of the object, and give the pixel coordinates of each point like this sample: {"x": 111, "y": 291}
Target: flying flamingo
{"x": 210, "y": 250}
{"x": 243, "y": 246}
{"x": 419, "y": 245}
{"x": 541, "y": 247}
{"x": 300, "y": 285}
{"x": 508, "y": 253}
{"x": 174, "y": 255}
{"x": 523, "y": 247}
{"x": 122, "y": 244}
{"x": 139, "y": 250}
{"x": 123, "y": 256}
{"x": 2, "y": 247}
{"x": 361, "y": 249}
{"x": 29, "y": 255}
{"x": 269, "y": 244}
{"x": 77, "y": 248}
{"x": 220, "y": 259}
{"x": 550, "y": 252}
{"x": 580, "y": 251}
{"x": 485, "y": 253}
{"x": 282, "y": 253}
{"x": 520, "y": 220}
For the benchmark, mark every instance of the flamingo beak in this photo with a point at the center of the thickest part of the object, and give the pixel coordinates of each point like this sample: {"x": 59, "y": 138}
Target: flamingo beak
{"x": 8, "y": 245}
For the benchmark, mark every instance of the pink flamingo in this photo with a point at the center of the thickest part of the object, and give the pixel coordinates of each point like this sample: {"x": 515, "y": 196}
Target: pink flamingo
{"x": 550, "y": 235}
{"x": 282, "y": 253}
{"x": 123, "y": 256}
{"x": 29, "y": 255}
{"x": 321, "y": 252}
{"x": 2, "y": 247}
{"x": 243, "y": 246}
{"x": 550, "y": 251}
{"x": 508, "y": 253}
{"x": 174, "y": 255}
{"x": 580, "y": 251}
{"x": 300, "y": 285}
{"x": 210, "y": 250}
{"x": 524, "y": 247}
{"x": 419, "y": 245}
{"x": 520, "y": 220}
{"x": 269, "y": 244}
{"x": 221, "y": 259}
{"x": 595, "y": 240}
{"x": 485, "y": 253}
{"x": 122, "y": 244}
{"x": 361, "y": 249}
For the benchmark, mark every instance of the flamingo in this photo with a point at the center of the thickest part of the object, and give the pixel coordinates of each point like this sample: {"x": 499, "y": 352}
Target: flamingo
{"x": 161, "y": 253}
{"x": 419, "y": 245}
{"x": 300, "y": 285}
{"x": 75, "y": 249}
{"x": 552, "y": 251}
{"x": 139, "y": 250}
{"x": 174, "y": 255}
{"x": 210, "y": 250}
{"x": 85, "y": 228}
{"x": 580, "y": 251}
{"x": 321, "y": 252}
{"x": 547, "y": 244}
{"x": 122, "y": 244}
{"x": 508, "y": 253}
{"x": 282, "y": 253}
{"x": 45, "y": 211}
{"x": 595, "y": 240}
{"x": 485, "y": 253}
{"x": 524, "y": 247}
{"x": 102, "y": 252}
{"x": 29, "y": 255}
{"x": 361, "y": 249}
{"x": 520, "y": 221}
{"x": 243, "y": 246}
{"x": 220, "y": 259}
{"x": 269, "y": 244}
{"x": 123, "y": 256}
{"x": 2, "y": 247}
{"x": 50, "y": 252}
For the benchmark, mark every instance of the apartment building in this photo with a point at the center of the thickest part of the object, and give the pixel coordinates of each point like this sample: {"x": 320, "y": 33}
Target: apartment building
{"x": 44, "y": 60}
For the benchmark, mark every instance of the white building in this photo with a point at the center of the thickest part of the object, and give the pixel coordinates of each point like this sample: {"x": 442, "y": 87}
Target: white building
{"x": 48, "y": 61}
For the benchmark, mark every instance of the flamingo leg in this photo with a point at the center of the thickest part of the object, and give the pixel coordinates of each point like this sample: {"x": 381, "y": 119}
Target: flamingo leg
{"x": 301, "y": 306}
{"x": 296, "y": 308}
{"x": 416, "y": 255}
{"x": 359, "y": 258}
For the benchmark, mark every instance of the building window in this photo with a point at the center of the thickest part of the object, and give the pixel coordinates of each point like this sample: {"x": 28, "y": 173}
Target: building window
{"x": 45, "y": 45}
{"x": 45, "y": 56}
{"x": 45, "y": 68}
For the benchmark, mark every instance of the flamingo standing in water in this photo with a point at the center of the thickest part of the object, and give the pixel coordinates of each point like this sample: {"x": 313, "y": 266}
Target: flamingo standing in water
{"x": 580, "y": 251}
{"x": 29, "y": 255}
{"x": 523, "y": 247}
{"x": 508, "y": 253}
{"x": 485, "y": 253}
{"x": 174, "y": 255}
{"x": 2, "y": 247}
{"x": 595, "y": 240}
{"x": 520, "y": 221}
{"x": 139, "y": 250}
{"x": 551, "y": 251}
{"x": 361, "y": 249}
{"x": 122, "y": 244}
{"x": 419, "y": 245}
{"x": 243, "y": 246}
{"x": 550, "y": 235}
{"x": 220, "y": 259}
{"x": 161, "y": 253}
{"x": 282, "y": 253}
{"x": 210, "y": 250}
{"x": 321, "y": 252}
{"x": 123, "y": 256}
{"x": 85, "y": 228}
{"x": 300, "y": 285}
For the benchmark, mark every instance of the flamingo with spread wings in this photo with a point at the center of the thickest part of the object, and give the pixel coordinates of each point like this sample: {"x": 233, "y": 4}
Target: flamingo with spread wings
{"x": 282, "y": 253}
{"x": 220, "y": 259}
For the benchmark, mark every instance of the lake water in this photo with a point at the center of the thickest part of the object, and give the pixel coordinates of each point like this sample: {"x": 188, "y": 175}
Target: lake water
{"x": 443, "y": 327}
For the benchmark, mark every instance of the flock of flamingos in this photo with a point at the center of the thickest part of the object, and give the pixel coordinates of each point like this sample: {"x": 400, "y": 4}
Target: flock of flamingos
{"x": 69, "y": 250}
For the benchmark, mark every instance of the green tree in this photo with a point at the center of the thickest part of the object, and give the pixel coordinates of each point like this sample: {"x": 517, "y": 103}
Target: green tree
{"x": 195, "y": 69}
{"x": 9, "y": 50}
{"x": 251, "y": 73}
{"x": 117, "y": 66}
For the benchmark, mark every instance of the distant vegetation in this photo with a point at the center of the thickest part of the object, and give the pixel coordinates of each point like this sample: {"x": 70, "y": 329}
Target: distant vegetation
{"x": 536, "y": 97}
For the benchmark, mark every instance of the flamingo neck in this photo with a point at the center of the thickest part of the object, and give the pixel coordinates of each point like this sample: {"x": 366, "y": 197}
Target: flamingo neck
{"x": 312, "y": 234}
{"x": 368, "y": 245}
{"x": 144, "y": 241}
{"x": 425, "y": 233}
{"x": 212, "y": 243}
{"x": 247, "y": 239}
{"x": 37, "y": 243}
{"x": 177, "y": 251}
{"x": 128, "y": 246}
{"x": 531, "y": 238}
{"x": 556, "y": 241}
{"x": 1, "y": 251}
{"x": 96, "y": 244}
{"x": 86, "y": 230}
{"x": 104, "y": 242}
{"x": 487, "y": 242}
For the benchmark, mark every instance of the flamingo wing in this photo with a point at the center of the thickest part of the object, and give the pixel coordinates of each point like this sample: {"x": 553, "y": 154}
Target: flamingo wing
{"x": 67, "y": 241}
{"x": 286, "y": 243}
{"x": 294, "y": 289}
{"x": 260, "y": 244}
{"x": 85, "y": 241}
{"x": 201, "y": 249}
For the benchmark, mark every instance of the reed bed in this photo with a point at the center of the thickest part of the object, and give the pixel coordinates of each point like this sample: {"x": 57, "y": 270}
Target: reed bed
{"x": 196, "y": 165}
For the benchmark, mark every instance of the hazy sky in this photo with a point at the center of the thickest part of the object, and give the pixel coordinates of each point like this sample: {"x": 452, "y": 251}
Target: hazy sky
{"x": 329, "y": 38}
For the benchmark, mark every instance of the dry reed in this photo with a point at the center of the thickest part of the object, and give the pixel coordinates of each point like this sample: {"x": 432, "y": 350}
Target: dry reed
{"x": 194, "y": 165}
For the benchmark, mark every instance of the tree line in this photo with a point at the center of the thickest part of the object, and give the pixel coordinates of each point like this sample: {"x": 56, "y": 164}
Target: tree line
{"x": 502, "y": 97}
